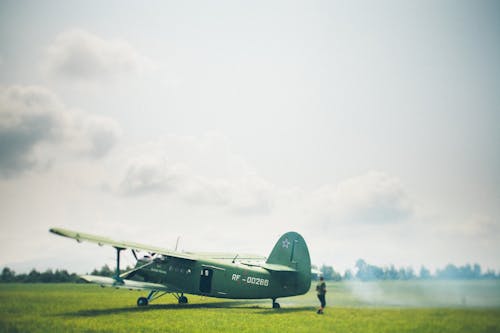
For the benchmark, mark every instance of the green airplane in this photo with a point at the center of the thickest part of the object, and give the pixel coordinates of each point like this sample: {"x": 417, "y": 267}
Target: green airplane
{"x": 286, "y": 272}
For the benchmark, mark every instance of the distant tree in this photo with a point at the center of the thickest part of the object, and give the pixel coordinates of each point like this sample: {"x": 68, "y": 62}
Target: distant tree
{"x": 490, "y": 274}
{"x": 449, "y": 272}
{"x": 464, "y": 272}
{"x": 327, "y": 272}
{"x": 424, "y": 273}
{"x": 348, "y": 275}
{"x": 22, "y": 277}
{"x": 62, "y": 276}
{"x": 402, "y": 274}
{"x": 8, "y": 275}
{"x": 469, "y": 272}
{"x": 476, "y": 270}
{"x": 361, "y": 266}
{"x": 104, "y": 271}
{"x": 336, "y": 276}
{"x": 391, "y": 273}
{"x": 410, "y": 273}
{"x": 47, "y": 276}
{"x": 368, "y": 272}
{"x": 33, "y": 276}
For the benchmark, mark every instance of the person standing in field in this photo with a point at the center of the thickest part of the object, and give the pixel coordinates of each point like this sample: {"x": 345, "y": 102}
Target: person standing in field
{"x": 321, "y": 290}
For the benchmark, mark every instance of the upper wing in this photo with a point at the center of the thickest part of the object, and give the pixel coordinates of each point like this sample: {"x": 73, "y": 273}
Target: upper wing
{"x": 79, "y": 236}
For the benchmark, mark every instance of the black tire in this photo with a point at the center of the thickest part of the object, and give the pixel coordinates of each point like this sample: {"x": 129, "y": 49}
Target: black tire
{"x": 183, "y": 300}
{"x": 142, "y": 301}
{"x": 276, "y": 305}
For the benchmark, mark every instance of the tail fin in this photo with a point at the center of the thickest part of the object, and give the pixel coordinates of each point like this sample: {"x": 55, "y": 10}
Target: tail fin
{"x": 291, "y": 251}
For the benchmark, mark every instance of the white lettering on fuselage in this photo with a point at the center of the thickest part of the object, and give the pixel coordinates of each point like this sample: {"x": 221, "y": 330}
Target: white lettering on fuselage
{"x": 251, "y": 280}
{"x": 257, "y": 281}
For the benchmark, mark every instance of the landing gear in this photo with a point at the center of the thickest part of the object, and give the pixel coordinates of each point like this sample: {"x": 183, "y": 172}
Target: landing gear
{"x": 142, "y": 301}
{"x": 154, "y": 294}
{"x": 181, "y": 298}
{"x": 275, "y": 305}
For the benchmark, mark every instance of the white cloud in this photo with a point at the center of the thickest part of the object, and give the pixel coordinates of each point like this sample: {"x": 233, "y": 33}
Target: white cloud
{"x": 92, "y": 135}
{"x": 202, "y": 171}
{"x": 34, "y": 122}
{"x": 28, "y": 117}
{"x": 374, "y": 197}
{"x": 79, "y": 55}
{"x": 198, "y": 171}
{"x": 248, "y": 195}
{"x": 150, "y": 175}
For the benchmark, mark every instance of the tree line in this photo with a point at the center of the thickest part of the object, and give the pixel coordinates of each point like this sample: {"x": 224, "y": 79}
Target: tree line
{"x": 367, "y": 272}
{"x": 51, "y": 276}
{"x": 363, "y": 272}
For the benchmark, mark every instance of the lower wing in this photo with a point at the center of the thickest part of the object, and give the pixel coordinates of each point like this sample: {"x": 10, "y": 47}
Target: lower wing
{"x": 104, "y": 281}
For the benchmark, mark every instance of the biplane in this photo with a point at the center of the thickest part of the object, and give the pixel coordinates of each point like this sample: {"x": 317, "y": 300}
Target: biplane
{"x": 286, "y": 272}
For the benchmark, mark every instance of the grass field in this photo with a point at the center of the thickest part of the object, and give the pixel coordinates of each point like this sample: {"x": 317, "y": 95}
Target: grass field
{"x": 401, "y": 306}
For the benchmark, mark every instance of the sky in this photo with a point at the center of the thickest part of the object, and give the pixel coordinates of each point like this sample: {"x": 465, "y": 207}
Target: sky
{"x": 371, "y": 128}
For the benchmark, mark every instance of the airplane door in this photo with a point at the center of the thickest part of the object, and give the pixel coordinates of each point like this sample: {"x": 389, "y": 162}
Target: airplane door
{"x": 206, "y": 280}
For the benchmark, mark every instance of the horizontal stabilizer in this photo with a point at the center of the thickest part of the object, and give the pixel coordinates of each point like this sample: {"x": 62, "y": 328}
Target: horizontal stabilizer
{"x": 104, "y": 281}
{"x": 277, "y": 268}
{"x": 271, "y": 267}
{"x": 226, "y": 256}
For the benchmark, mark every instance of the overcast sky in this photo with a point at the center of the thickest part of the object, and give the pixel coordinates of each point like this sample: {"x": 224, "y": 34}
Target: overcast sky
{"x": 370, "y": 127}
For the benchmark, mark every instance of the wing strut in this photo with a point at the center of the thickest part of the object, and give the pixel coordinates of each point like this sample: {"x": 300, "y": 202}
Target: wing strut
{"x": 117, "y": 272}
{"x": 135, "y": 254}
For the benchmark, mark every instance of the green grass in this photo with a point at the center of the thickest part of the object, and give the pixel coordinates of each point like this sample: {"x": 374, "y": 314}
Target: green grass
{"x": 409, "y": 306}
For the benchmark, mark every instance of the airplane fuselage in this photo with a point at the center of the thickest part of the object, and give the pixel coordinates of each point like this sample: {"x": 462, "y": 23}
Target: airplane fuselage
{"x": 222, "y": 278}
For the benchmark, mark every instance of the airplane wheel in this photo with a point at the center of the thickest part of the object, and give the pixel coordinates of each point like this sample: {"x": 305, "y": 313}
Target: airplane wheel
{"x": 183, "y": 300}
{"x": 276, "y": 305}
{"x": 142, "y": 301}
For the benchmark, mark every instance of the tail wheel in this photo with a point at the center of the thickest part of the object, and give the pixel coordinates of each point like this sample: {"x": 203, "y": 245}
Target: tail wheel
{"x": 142, "y": 301}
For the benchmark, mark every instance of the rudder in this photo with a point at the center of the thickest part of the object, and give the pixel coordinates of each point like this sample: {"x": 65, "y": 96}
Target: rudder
{"x": 291, "y": 251}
